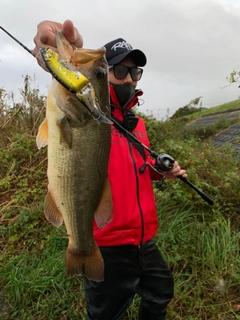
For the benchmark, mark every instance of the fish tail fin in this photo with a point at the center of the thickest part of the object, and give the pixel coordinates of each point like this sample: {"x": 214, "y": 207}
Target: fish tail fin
{"x": 88, "y": 263}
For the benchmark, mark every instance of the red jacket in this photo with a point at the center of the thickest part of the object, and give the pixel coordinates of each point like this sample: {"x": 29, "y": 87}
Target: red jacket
{"x": 134, "y": 211}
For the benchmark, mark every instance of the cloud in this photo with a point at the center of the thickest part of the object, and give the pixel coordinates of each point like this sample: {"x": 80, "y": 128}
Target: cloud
{"x": 191, "y": 45}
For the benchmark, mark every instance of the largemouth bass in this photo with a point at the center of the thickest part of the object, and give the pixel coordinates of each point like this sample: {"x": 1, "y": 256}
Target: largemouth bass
{"x": 78, "y": 153}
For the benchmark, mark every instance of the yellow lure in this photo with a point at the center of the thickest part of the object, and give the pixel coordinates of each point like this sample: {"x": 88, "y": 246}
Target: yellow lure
{"x": 68, "y": 75}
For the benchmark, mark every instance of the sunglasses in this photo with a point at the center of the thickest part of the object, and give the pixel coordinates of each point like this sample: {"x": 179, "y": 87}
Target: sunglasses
{"x": 121, "y": 71}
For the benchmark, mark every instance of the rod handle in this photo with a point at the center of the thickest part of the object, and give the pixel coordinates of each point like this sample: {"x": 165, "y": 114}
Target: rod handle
{"x": 201, "y": 193}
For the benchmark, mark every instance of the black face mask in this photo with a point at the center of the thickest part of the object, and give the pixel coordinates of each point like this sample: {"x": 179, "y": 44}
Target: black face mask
{"x": 124, "y": 92}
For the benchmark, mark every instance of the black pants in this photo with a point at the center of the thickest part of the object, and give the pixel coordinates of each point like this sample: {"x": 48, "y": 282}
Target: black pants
{"x": 129, "y": 270}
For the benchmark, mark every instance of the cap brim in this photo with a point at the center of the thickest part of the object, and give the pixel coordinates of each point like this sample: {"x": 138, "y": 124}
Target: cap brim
{"x": 137, "y": 55}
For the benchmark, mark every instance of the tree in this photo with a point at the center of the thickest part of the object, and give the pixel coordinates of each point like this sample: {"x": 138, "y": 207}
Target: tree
{"x": 193, "y": 106}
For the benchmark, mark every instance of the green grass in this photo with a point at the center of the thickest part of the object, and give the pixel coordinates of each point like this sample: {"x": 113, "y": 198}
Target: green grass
{"x": 32, "y": 272}
{"x": 204, "y": 255}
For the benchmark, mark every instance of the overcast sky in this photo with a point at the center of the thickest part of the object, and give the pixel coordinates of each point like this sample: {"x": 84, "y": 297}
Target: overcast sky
{"x": 191, "y": 45}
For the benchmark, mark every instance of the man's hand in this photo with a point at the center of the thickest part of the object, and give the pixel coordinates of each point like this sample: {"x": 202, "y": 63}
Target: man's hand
{"x": 46, "y": 37}
{"x": 175, "y": 172}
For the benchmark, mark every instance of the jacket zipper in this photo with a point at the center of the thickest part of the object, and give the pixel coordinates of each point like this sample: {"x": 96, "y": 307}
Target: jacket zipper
{"x": 138, "y": 199}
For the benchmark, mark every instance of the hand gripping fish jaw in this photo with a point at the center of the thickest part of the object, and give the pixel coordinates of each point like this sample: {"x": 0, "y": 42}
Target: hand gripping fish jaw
{"x": 74, "y": 81}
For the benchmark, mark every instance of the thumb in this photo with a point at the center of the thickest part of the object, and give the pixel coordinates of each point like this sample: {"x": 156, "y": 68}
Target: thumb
{"x": 72, "y": 34}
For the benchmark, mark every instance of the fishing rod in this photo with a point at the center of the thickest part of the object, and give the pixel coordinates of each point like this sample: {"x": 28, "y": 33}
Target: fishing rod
{"x": 164, "y": 162}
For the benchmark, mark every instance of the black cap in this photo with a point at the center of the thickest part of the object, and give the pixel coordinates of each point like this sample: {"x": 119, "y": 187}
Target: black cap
{"x": 119, "y": 49}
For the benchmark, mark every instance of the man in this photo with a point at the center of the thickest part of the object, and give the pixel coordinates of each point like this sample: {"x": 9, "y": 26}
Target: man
{"x": 133, "y": 263}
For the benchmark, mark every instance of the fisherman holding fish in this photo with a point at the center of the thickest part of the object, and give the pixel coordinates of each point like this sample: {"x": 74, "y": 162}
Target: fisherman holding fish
{"x": 133, "y": 262}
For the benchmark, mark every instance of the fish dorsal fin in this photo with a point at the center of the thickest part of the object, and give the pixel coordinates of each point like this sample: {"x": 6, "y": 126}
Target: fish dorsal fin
{"x": 51, "y": 212}
{"x": 42, "y": 135}
{"x": 65, "y": 49}
{"x": 104, "y": 213}
{"x": 87, "y": 56}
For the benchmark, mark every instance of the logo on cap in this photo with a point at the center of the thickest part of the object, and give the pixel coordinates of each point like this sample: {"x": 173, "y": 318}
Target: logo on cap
{"x": 122, "y": 45}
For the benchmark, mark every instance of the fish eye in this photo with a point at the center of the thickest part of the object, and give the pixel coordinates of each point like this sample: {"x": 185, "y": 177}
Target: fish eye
{"x": 100, "y": 73}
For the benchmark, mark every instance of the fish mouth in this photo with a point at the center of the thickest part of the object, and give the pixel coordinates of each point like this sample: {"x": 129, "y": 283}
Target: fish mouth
{"x": 74, "y": 81}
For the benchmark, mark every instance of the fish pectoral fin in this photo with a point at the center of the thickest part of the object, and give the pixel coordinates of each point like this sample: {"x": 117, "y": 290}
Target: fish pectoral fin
{"x": 104, "y": 213}
{"x": 65, "y": 131}
{"x": 42, "y": 135}
{"x": 88, "y": 263}
{"x": 51, "y": 212}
